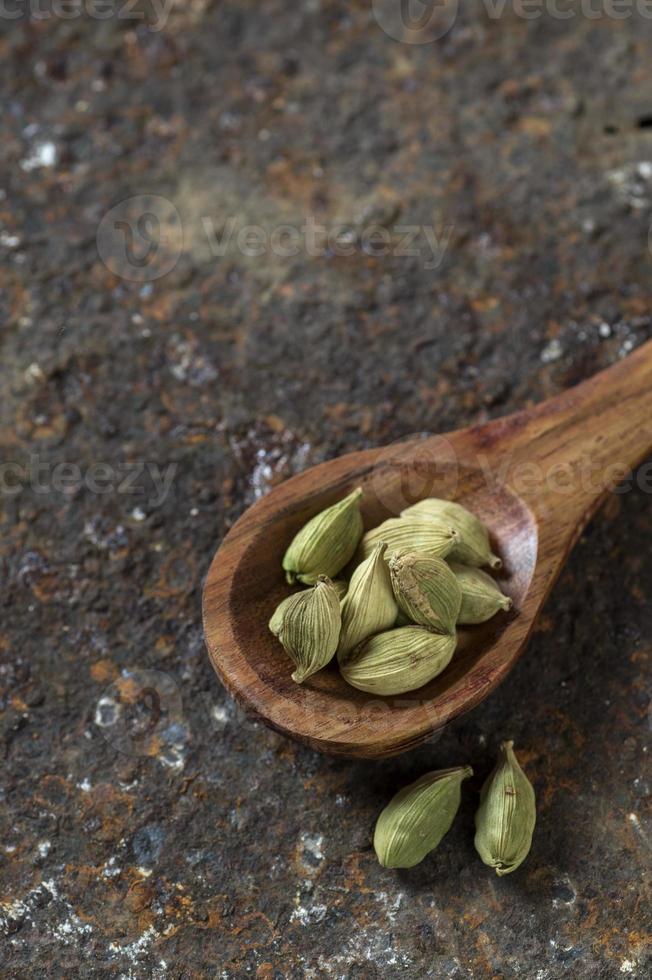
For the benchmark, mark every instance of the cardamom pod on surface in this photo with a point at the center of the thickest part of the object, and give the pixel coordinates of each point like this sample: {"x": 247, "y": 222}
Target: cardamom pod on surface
{"x": 326, "y": 543}
{"x": 481, "y": 596}
{"x": 398, "y": 660}
{"x": 473, "y": 547}
{"x": 415, "y": 820}
{"x": 507, "y": 814}
{"x": 308, "y": 626}
{"x": 426, "y": 590}
{"x": 431, "y": 538}
{"x": 369, "y": 605}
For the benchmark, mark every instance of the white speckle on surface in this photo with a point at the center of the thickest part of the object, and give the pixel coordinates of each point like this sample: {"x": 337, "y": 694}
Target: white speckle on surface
{"x": 138, "y": 514}
{"x": 312, "y": 844}
{"x": 626, "y": 347}
{"x": 173, "y": 756}
{"x": 551, "y": 352}
{"x": 34, "y": 372}
{"x": 111, "y": 869}
{"x": 8, "y": 240}
{"x": 626, "y": 966}
{"x": 44, "y": 848}
{"x": 85, "y": 785}
{"x": 631, "y": 184}
{"x": 133, "y": 951}
{"x": 42, "y": 154}
{"x": 604, "y": 329}
{"x": 636, "y": 824}
{"x": 308, "y": 916}
{"x": 107, "y": 712}
{"x": 220, "y": 714}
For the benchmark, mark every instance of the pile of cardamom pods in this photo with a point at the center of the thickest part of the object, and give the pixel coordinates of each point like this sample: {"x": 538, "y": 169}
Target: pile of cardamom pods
{"x": 393, "y": 628}
{"x": 415, "y": 579}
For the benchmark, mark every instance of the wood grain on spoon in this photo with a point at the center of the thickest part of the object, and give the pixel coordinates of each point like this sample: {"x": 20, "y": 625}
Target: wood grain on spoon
{"x": 535, "y": 478}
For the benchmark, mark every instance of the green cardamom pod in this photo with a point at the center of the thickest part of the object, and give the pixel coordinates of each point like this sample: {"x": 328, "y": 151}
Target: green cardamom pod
{"x": 398, "y": 660}
{"x": 369, "y": 605}
{"x": 481, "y": 597}
{"x": 507, "y": 814}
{"x": 426, "y": 590}
{"x": 428, "y": 537}
{"x": 326, "y": 543}
{"x": 308, "y": 626}
{"x": 415, "y": 820}
{"x": 473, "y": 547}
{"x": 340, "y": 587}
{"x": 402, "y": 619}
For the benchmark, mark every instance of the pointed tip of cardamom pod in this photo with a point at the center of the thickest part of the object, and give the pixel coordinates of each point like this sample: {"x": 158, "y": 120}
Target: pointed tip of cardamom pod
{"x": 506, "y": 603}
{"x": 507, "y": 745}
{"x": 495, "y": 562}
{"x": 467, "y": 771}
{"x": 290, "y": 578}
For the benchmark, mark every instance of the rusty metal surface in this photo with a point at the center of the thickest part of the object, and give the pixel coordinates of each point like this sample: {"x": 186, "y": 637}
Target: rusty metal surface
{"x": 148, "y": 828}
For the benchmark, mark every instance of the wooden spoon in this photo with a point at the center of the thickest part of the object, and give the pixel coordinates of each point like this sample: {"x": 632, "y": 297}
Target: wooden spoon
{"x": 535, "y": 478}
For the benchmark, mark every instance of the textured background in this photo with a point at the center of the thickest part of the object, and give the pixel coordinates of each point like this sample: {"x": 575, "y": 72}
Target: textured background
{"x": 198, "y": 844}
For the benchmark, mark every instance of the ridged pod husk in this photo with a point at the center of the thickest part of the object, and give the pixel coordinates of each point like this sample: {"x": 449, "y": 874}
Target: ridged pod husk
{"x": 369, "y": 606}
{"x": 473, "y": 547}
{"x": 398, "y": 660}
{"x": 481, "y": 596}
{"x": 507, "y": 814}
{"x": 426, "y": 590}
{"x": 326, "y": 543}
{"x": 425, "y": 536}
{"x": 308, "y": 626}
{"x": 415, "y": 820}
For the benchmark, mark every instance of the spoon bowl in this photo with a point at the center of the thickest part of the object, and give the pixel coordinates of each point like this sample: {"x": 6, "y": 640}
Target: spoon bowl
{"x": 525, "y": 477}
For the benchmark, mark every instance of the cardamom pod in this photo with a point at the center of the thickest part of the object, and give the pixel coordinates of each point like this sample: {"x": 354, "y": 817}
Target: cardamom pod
{"x": 398, "y": 660}
{"x": 369, "y": 605}
{"x": 473, "y": 547}
{"x": 415, "y": 820}
{"x": 507, "y": 814}
{"x": 428, "y": 537}
{"x": 481, "y": 597}
{"x": 308, "y": 626}
{"x": 326, "y": 543}
{"x": 402, "y": 619}
{"x": 426, "y": 590}
{"x": 340, "y": 587}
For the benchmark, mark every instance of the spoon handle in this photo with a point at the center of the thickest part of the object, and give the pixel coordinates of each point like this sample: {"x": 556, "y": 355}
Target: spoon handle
{"x": 564, "y": 455}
